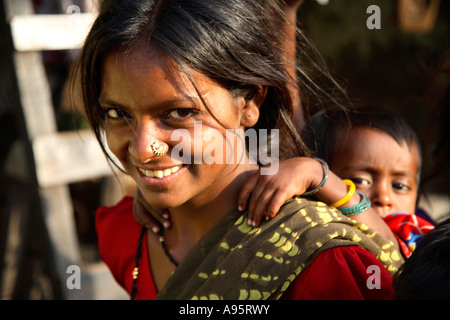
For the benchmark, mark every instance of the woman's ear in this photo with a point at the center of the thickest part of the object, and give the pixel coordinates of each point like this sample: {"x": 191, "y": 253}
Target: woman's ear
{"x": 253, "y": 101}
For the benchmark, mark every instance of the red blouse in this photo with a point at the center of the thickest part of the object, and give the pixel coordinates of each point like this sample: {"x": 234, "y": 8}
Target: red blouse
{"x": 338, "y": 273}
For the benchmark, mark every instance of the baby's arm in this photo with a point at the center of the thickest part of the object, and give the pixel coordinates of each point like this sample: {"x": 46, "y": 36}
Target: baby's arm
{"x": 263, "y": 195}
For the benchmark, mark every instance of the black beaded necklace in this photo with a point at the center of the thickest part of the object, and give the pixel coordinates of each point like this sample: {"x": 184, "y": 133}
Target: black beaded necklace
{"x": 137, "y": 257}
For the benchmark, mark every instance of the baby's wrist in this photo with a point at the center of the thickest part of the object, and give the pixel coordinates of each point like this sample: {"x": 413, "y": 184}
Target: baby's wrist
{"x": 316, "y": 187}
{"x": 352, "y": 202}
{"x": 336, "y": 192}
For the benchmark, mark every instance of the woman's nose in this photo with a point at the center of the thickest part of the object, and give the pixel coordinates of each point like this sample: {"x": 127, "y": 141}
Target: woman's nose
{"x": 147, "y": 143}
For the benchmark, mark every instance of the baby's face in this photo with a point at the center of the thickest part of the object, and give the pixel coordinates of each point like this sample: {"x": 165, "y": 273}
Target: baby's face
{"x": 381, "y": 168}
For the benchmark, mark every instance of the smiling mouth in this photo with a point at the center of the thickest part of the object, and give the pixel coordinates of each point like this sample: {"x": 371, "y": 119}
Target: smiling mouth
{"x": 160, "y": 173}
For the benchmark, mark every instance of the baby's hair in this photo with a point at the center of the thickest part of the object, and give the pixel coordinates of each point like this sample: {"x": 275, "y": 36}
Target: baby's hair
{"x": 330, "y": 126}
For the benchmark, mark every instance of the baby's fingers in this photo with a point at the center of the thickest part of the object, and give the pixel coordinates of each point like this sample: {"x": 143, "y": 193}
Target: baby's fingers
{"x": 260, "y": 208}
{"x": 269, "y": 203}
{"x": 277, "y": 200}
{"x": 246, "y": 191}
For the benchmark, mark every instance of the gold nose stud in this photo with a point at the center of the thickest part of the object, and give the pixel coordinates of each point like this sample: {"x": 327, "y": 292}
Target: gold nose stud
{"x": 159, "y": 148}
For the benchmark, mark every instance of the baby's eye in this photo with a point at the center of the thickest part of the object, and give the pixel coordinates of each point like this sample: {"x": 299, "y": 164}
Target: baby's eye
{"x": 360, "y": 181}
{"x": 180, "y": 113}
{"x": 401, "y": 186}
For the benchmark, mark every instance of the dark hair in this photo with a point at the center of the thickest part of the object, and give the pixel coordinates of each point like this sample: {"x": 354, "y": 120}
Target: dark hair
{"x": 238, "y": 43}
{"x": 426, "y": 273}
{"x": 327, "y": 127}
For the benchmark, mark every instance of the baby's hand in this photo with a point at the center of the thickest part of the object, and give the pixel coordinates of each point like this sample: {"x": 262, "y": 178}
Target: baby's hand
{"x": 148, "y": 216}
{"x": 267, "y": 193}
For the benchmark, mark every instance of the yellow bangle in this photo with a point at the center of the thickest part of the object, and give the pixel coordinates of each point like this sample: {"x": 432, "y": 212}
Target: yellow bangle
{"x": 351, "y": 191}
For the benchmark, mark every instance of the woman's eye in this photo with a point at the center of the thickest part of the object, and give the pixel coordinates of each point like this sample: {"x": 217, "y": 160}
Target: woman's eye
{"x": 115, "y": 114}
{"x": 180, "y": 113}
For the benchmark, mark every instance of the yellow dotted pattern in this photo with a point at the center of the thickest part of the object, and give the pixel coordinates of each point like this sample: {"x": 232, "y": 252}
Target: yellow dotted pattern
{"x": 260, "y": 263}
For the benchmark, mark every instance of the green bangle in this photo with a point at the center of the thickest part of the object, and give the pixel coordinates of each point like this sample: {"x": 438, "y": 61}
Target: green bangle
{"x": 325, "y": 177}
{"x": 362, "y": 206}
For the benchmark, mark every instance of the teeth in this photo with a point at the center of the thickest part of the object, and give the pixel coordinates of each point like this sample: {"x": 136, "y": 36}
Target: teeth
{"x": 148, "y": 173}
{"x": 175, "y": 169}
{"x": 160, "y": 173}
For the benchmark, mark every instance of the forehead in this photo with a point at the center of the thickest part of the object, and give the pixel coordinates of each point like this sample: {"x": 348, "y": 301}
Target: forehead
{"x": 142, "y": 65}
{"x": 370, "y": 147}
{"x": 147, "y": 73}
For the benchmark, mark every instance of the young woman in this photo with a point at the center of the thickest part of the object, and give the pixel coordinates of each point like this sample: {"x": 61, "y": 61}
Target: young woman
{"x": 173, "y": 85}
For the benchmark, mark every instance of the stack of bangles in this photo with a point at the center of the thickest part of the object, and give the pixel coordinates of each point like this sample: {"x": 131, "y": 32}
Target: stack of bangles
{"x": 362, "y": 206}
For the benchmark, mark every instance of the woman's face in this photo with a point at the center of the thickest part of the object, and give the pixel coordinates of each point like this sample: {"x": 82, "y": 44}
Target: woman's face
{"x": 147, "y": 98}
{"x": 381, "y": 168}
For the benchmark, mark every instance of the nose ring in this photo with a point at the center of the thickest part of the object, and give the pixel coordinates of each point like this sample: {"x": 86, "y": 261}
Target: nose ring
{"x": 159, "y": 148}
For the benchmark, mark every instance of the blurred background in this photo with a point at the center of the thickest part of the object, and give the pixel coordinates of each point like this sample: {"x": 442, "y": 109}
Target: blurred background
{"x": 403, "y": 66}
{"x": 53, "y": 175}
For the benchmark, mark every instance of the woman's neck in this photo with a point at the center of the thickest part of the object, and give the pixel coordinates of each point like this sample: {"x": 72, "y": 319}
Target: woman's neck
{"x": 192, "y": 220}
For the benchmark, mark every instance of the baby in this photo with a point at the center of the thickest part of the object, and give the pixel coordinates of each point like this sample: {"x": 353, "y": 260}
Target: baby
{"x": 381, "y": 154}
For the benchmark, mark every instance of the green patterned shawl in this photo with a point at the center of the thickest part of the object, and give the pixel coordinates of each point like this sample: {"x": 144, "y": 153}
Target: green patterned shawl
{"x": 235, "y": 261}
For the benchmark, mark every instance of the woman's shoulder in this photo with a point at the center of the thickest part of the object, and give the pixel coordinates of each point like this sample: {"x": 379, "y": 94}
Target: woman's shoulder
{"x": 114, "y": 224}
{"x": 118, "y": 234}
{"x": 306, "y": 205}
{"x": 119, "y": 216}
{"x": 347, "y": 272}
